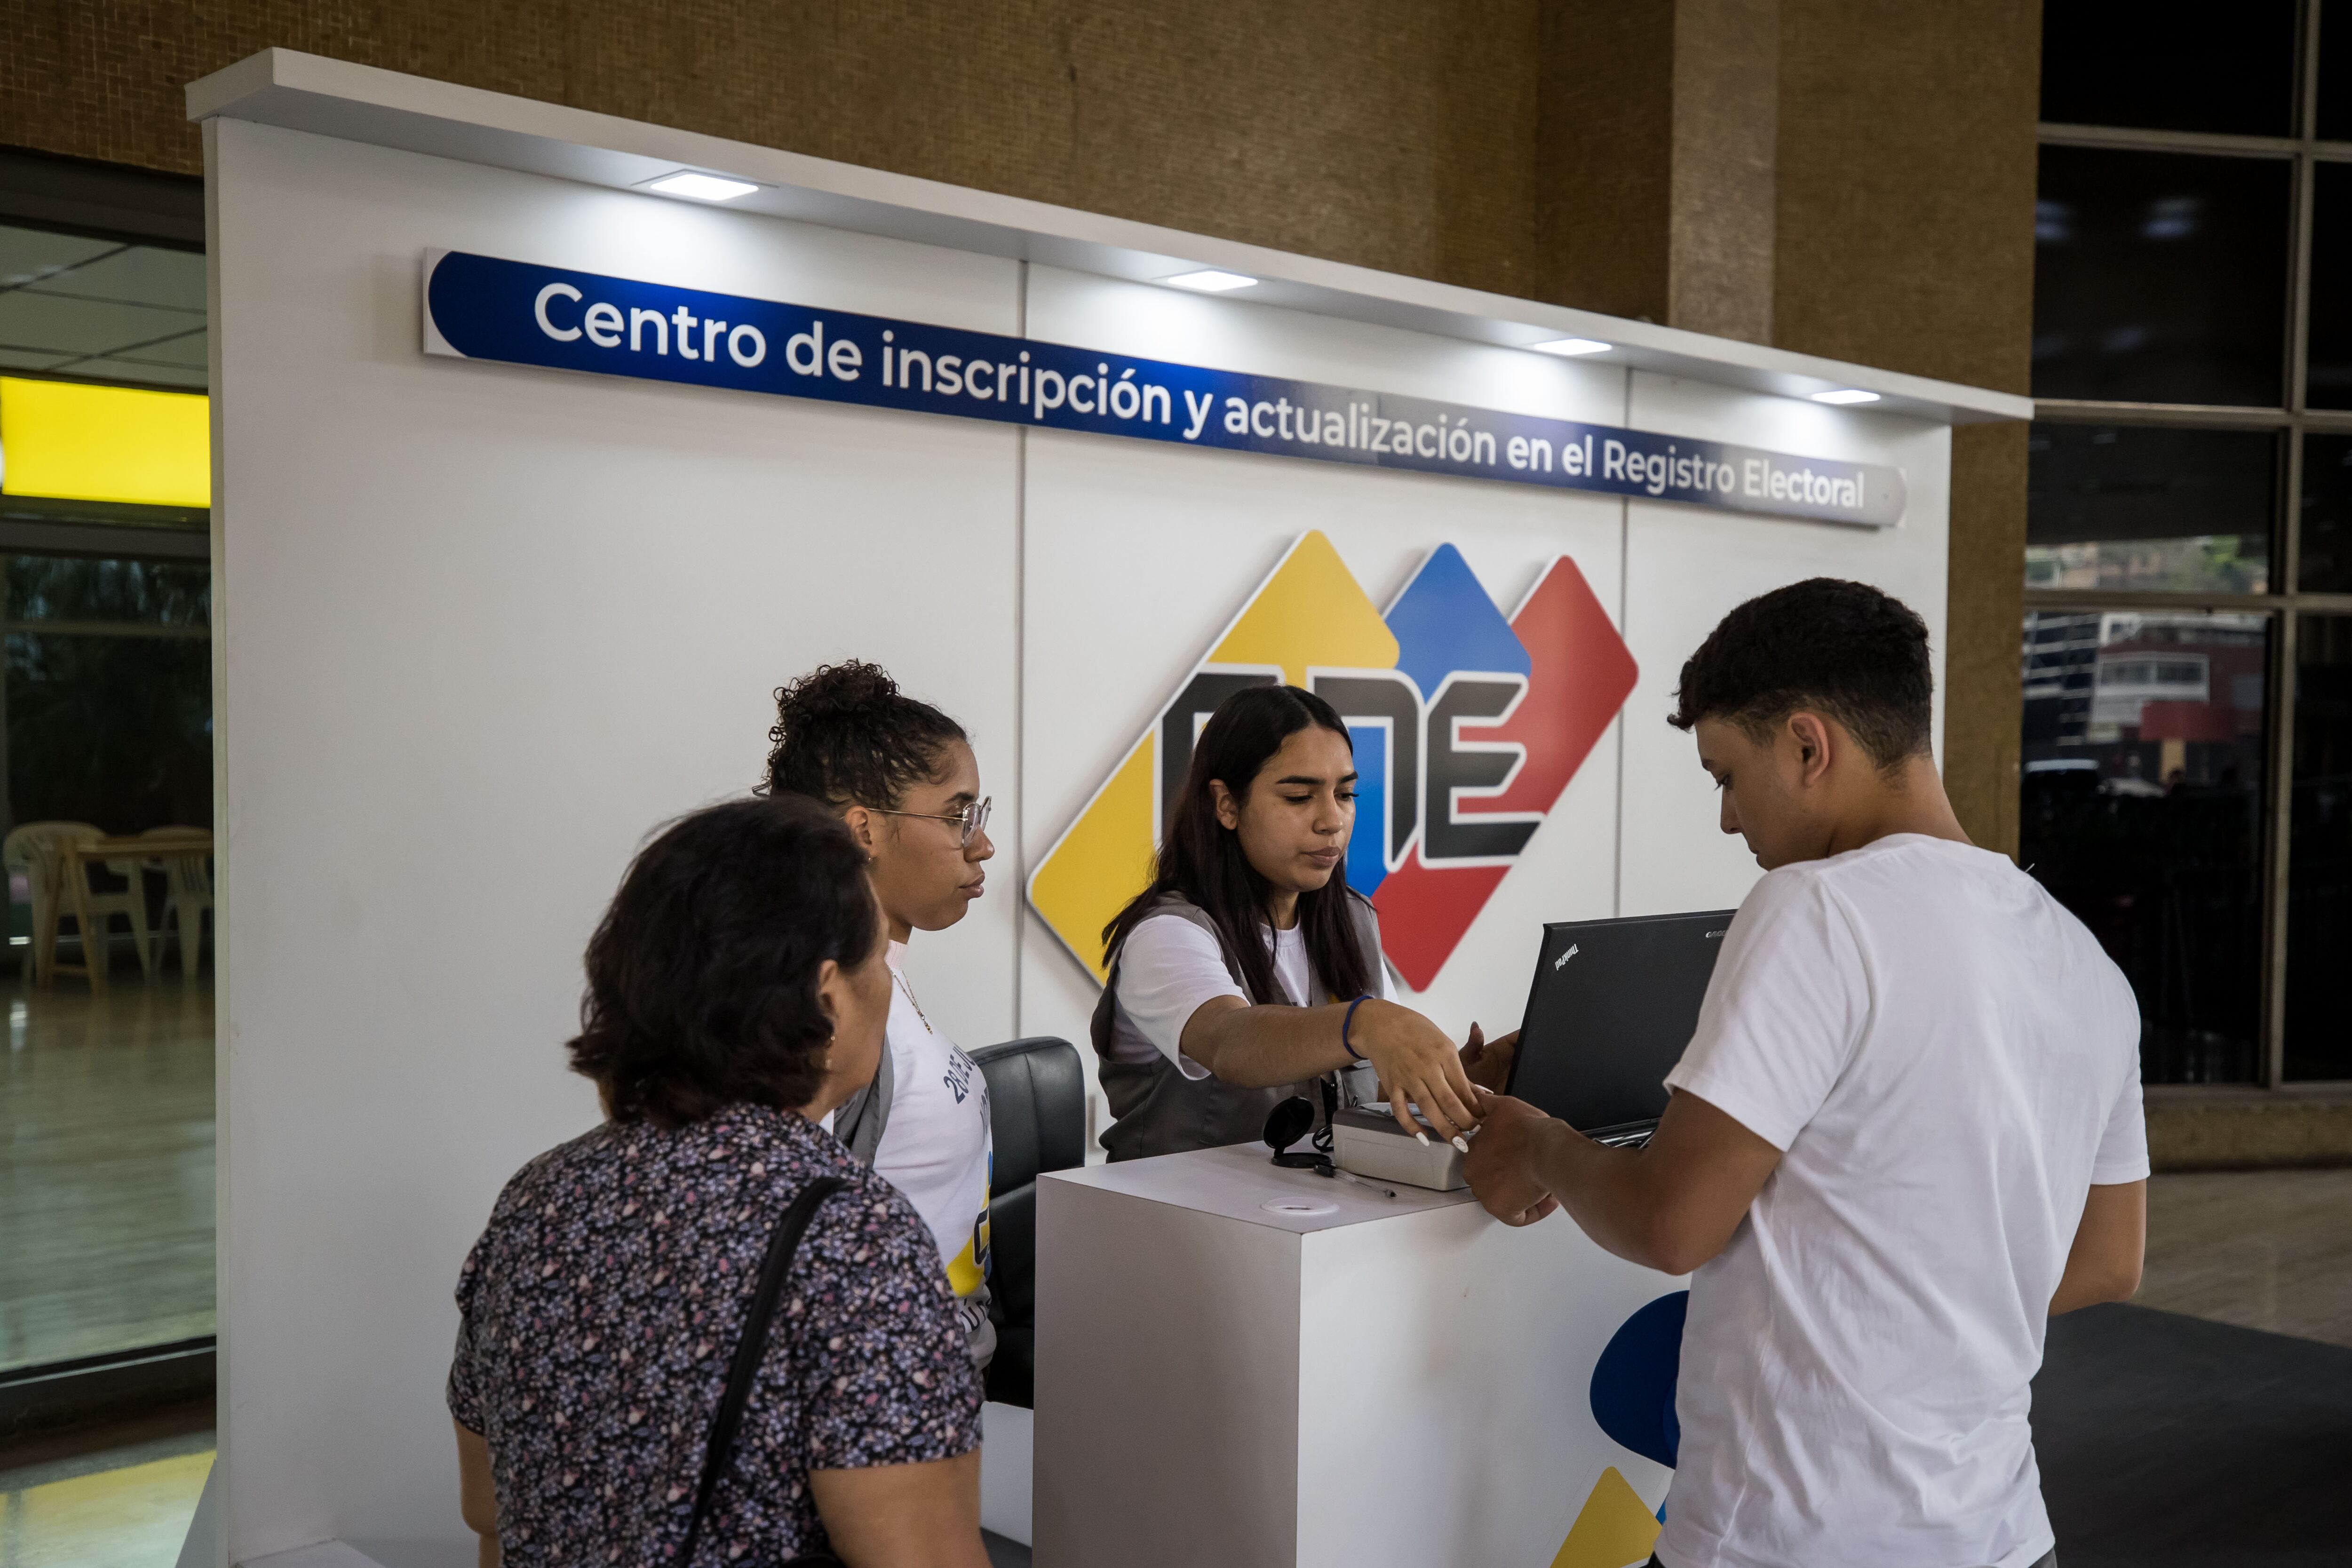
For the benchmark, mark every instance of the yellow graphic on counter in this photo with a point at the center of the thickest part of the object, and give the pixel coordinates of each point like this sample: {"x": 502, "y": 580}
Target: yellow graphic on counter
{"x": 1615, "y": 1528}
{"x": 1309, "y": 612}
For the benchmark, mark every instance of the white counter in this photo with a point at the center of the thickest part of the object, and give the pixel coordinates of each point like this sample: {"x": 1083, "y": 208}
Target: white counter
{"x": 1224, "y": 1378}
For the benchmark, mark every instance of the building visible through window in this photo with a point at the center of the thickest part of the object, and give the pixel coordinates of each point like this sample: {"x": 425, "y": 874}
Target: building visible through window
{"x": 2188, "y": 543}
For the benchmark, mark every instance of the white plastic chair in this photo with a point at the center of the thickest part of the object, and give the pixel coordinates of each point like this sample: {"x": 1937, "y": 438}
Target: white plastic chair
{"x": 189, "y": 881}
{"x": 94, "y": 911}
{"x": 32, "y": 848}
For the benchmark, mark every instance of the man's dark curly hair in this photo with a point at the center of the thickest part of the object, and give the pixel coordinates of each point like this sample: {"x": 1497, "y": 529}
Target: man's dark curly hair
{"x": 1843, "y": 650}
{"x": 846, "y": 734}
{"x": 702, "y": 976}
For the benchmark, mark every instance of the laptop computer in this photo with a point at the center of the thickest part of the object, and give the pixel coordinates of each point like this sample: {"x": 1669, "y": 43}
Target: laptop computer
{"x": 1613, "y": 1004}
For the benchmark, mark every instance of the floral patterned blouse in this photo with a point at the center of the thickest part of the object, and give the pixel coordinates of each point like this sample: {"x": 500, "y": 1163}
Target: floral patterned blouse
{"x": 600, "y": 1309}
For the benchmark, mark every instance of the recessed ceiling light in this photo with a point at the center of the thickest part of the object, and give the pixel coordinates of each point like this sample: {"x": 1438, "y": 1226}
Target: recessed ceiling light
{"x": 699, "y": 187}
{"x": 1846, "y": 394}
{"x": 1209, "y": 280}
{"x": 1568, "y": 348}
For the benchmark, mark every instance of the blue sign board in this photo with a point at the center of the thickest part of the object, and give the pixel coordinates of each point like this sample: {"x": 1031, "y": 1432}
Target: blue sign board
{"x": 479, "y": 307}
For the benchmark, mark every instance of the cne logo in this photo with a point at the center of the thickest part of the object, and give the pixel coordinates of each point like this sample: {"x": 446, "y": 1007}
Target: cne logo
{"x": 1467, "y": 725}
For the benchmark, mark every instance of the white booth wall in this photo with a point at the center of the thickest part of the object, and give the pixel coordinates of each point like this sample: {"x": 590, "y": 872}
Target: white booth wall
{"x": 480, "y": 627}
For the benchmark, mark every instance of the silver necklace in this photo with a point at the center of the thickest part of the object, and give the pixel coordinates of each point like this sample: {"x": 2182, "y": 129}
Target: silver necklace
{"x": 918, "y": 1007}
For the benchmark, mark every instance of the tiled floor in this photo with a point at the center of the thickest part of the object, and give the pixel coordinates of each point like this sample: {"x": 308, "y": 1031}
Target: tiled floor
{"x": 105, "y": 1206}
{"x": 106, "y": 1166}
{"x": 118, "y": 1499}
{"x": 2263, "y": 1249}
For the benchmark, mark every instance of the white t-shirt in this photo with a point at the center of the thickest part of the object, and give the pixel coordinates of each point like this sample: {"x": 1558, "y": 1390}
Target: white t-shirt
{"x": 935, "y": 1147}
{"x": 1169, "y": 966}
{"x": 1947, "y": 1061}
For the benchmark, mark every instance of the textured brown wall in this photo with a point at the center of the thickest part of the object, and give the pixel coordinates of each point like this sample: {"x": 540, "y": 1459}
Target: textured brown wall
{"x": 1852, "y": 178}
{"x": 1984, "y": 610}
{"x": 1905, "y": 239}
{"x": 1906, "y": 174}
{"x": 1656, "y": 131}
{"x": 1848, "y": 177}
{"x": 1727, "y": 150}
{"x": 1605, "y": 146}
{"x": 1395, "y": 133}
{"x": 2245, "y": 1129}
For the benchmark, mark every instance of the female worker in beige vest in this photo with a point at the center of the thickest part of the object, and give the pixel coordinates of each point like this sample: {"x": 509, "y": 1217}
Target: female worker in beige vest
{"x": 1249, "y": 971}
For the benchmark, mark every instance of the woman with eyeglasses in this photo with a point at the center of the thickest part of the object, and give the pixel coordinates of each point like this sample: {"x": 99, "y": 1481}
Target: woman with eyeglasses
{"x": 902, "y": 776}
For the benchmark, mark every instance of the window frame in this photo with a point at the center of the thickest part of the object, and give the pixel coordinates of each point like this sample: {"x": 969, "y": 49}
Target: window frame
{"x": 133, "y": 207}
{"x": 2285, "y": 604}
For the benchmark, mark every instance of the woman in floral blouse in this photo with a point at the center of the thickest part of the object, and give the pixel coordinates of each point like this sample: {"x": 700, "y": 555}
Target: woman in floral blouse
{"x": 737, "y": 992}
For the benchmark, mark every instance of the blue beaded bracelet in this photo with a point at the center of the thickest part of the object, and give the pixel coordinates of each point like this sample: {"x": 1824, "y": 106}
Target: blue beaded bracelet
{"x": 1347, "y": 1021}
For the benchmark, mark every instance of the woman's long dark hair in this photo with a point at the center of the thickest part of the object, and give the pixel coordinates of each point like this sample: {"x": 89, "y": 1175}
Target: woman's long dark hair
{"x": 1201, "y": 859}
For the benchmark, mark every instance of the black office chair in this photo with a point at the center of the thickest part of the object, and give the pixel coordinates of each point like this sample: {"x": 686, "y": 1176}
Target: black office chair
{"x": 1037, "y": 1116}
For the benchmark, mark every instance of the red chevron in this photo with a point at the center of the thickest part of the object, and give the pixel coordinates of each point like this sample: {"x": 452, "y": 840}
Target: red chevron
{"x": 1582, "y": 672}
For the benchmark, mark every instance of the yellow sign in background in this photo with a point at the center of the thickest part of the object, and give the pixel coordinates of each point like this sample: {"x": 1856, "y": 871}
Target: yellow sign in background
{"x": 63, "y": 440}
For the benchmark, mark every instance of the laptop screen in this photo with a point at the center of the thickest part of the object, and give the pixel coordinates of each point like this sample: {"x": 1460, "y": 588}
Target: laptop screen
{"x": 1614, "y": 1003}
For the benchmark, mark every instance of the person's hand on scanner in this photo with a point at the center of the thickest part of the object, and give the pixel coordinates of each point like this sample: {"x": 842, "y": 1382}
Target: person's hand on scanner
{"x": 1418, "y": 1065}
{"x": 1489, "y": 1062}
{"x": 1501, "y": 1169}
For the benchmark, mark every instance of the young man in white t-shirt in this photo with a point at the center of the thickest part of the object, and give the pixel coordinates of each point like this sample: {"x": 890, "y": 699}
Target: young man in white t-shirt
{"x": 1907, "y": 1132}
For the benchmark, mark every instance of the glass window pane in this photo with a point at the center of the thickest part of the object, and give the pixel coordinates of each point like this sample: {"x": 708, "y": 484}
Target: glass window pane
{"x": 109, "y": 714}
{"x": 2336, "y": 70}
{"x": 2328, "y": 381}
{"x": 2319, "y": 850}
{"x": 2136, "y": 507}
{"x": 101, "y": 310}
{"x": 2326, "y": 563}
{"x": 74, "y": 588}
{"x": 106, "y": 1096}
{"x": 2159, "y": 276}
{"x": 2109, "y": 62}
{"x": 2142, "y": 813}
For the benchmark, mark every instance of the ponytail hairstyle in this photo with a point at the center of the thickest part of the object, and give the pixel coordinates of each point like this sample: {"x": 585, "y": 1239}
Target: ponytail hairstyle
{"x": 1202, "y": 861}
{"x": 846, "y": 735}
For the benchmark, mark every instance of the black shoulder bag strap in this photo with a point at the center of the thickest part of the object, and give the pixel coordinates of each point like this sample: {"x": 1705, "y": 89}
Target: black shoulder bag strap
{"x": 751, "y": 1349}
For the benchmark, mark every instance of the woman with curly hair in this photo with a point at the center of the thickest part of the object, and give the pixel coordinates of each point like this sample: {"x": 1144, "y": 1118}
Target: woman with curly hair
{"x": 902, "y": 776}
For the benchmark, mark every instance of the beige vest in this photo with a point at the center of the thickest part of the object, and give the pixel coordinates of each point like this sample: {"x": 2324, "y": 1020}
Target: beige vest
{"x": 1159, "y": 1110}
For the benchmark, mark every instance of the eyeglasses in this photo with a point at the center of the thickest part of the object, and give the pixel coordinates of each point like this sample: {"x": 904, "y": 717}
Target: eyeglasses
{"x": 972, "y": 819}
